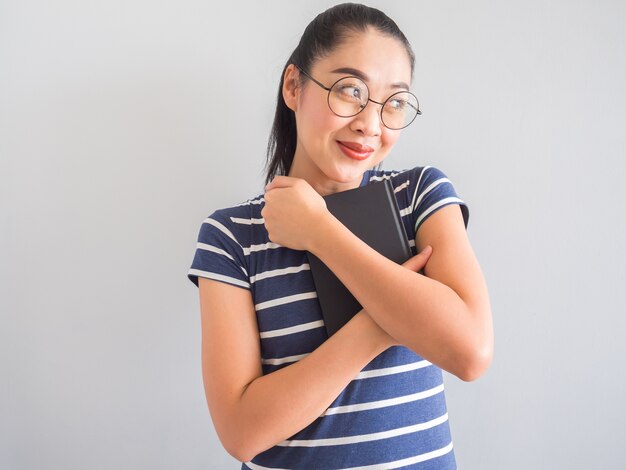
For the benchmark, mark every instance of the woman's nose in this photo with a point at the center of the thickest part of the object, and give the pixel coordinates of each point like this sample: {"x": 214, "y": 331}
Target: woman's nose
{"x": 368, "y": 121}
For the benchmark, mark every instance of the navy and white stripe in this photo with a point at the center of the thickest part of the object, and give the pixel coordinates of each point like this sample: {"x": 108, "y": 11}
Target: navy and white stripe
{"x": 393, "y": 413}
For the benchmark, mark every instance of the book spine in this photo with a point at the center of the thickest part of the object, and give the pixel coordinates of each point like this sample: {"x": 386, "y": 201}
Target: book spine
{"x": 398, "y": 220}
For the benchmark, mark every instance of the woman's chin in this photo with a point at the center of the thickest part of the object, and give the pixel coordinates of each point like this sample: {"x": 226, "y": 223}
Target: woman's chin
{"x": 346, "y": 179}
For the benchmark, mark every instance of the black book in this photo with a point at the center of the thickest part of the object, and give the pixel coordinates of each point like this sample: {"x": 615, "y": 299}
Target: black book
{"x": 371, "y": 213}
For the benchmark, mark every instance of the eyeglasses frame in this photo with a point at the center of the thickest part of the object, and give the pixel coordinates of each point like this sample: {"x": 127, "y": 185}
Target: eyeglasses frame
{"x": 382, "y": 105}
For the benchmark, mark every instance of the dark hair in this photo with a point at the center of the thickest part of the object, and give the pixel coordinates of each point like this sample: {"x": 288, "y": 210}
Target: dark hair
{"x": 326, "y": 32}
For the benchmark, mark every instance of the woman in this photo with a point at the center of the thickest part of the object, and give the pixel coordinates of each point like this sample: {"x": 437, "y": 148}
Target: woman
{"x": 281, "y": 393}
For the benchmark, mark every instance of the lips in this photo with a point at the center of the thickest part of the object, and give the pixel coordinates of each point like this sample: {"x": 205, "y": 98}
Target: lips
{"x": 355, "y": 150}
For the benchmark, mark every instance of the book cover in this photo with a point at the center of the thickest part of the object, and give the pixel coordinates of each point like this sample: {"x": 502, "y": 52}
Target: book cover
{"x": 372, "y": 214}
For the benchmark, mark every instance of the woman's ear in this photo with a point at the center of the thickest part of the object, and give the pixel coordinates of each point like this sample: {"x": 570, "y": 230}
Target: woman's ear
{"x": 291, "y": 87}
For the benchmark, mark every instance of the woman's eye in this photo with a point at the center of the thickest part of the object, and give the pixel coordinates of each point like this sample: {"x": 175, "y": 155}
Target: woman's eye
{"x": 351, "y": 91}
{"x": 397, "y": 104}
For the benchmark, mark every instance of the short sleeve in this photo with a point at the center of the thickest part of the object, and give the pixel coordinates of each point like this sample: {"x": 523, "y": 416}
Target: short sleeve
{"x": 219, "y": 256}
{"x": 433, "y": 191}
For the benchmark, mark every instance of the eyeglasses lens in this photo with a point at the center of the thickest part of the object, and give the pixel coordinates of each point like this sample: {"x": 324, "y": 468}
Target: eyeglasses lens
{"x": 399, "y": 110}
{"x": 349, "y": 96}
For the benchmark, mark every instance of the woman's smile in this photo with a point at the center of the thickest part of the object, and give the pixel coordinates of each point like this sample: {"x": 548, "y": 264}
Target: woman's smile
{"x": 355, "y": 150}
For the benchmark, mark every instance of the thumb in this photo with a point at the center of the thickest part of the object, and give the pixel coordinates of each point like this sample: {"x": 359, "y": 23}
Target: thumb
{"x": 417, "y": 262}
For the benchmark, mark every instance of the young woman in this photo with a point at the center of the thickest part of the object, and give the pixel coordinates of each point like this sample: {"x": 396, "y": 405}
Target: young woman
{"x": 281, "y": 393}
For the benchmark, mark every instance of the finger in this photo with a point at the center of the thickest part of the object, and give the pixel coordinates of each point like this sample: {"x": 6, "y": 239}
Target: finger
{"x": 417, "y": 262}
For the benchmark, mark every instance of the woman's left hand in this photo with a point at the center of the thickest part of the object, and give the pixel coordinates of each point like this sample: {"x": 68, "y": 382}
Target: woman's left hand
{"x": 293, "y": 212}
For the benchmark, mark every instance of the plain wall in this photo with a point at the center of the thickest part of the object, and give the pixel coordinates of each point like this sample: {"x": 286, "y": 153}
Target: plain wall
{"x": 123, "y": 124}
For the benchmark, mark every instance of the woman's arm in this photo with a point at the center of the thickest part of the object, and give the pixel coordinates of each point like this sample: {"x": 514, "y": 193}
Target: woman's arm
{"x": 253, "y": 412}
{"x": 444, "y": 315}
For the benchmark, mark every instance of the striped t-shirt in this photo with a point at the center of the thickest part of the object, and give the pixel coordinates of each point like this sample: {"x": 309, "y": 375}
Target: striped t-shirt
{"x": 393, "y": 413}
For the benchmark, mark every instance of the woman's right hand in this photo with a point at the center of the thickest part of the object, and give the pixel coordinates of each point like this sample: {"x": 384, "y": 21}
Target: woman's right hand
{"x": 417, "y": 262}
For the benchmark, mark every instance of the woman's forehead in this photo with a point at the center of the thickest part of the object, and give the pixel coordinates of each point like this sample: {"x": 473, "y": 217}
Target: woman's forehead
{"x": 382, "y": 59}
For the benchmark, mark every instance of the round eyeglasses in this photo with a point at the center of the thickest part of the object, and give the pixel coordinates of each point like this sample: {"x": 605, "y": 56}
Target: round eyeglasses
{"x": 348, "y": 96}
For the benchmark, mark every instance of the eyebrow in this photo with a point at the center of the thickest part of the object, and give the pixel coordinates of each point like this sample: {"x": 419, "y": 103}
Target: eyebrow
{"x": 363, "y": 76}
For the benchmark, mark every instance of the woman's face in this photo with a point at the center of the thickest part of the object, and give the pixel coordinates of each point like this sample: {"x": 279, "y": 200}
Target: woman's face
{"x": 333, "y": 152}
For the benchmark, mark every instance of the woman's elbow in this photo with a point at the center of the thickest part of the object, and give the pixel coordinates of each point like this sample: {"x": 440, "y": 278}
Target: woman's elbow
{"x": 475, "y": 362}
{"x": 476, "y": 353}
{"x": 239, "y": 454}
{"x": 238, "y": 449}
{"x": 237, "y": 438}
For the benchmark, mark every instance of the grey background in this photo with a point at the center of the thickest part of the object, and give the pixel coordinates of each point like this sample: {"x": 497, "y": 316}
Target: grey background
{"x": 124, "y": 123}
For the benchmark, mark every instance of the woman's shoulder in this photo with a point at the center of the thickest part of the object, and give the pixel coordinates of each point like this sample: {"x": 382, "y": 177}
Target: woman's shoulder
{"x": 250, "y": 208}
{"x": 241, "y": 222}
{"x": 420, "y": 190}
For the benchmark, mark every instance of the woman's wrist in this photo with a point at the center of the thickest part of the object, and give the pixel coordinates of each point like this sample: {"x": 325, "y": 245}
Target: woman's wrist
{"x": 370, "y": 330}
{"x": 323, "y": 233}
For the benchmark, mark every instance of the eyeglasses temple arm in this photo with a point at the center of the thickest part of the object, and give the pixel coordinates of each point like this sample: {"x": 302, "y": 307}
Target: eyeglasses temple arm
{"x": 315, "y": 81}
